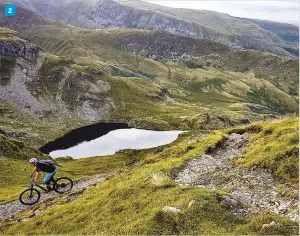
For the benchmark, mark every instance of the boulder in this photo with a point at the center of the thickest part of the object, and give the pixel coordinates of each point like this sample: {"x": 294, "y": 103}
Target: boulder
{"x": 171, "y": 209}
{"x": 272, "y": 224}
{"x": 282, "y": 209}
{"x": 159, "y": 149}
{"x": 229, "y": 202}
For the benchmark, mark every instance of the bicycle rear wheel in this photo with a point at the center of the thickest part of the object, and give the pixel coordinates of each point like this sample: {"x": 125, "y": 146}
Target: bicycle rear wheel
{"x": 62, "y": 185}
{"x": 30, "y": 196}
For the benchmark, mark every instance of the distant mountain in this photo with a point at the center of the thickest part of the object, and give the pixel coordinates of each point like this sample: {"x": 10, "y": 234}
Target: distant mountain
{"x": 215, "y": 26}
{"x": 25, "y": 19}
{"x": 287, "y": 32}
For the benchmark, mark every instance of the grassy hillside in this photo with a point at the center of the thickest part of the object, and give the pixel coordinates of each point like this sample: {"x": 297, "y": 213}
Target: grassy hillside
{"x": 115, "y": 47}
{"x": 132, "y": 202}
{"x": 130, "y": 76}
{"x": 26, "y": 127}
{"x": 275, "y": 147}
{"x": 280, "y": 71}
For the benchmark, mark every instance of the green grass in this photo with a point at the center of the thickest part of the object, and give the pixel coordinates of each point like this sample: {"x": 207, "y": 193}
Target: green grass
{"x": 162, "y": 180}
{"x": 16, "y": 149}
{"x": 275, "y": 147}
{"x": 280, "y": 71}
{"x": 130, "y": 203}
{"x": 14, "y": 178}
{"x": 5, "y": 32}
{"x": 37, "y": 132}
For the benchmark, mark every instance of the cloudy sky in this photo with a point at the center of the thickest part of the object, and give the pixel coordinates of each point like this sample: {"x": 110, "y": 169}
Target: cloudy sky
{"x": 280, "y": 11}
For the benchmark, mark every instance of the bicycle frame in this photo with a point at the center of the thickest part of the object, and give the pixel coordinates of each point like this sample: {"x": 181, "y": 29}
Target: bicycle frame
{"x": 35, "y": 184}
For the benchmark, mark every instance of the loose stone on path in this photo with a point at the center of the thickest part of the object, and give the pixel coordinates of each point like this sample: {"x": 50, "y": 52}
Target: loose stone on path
{"x": 255, "y": 189}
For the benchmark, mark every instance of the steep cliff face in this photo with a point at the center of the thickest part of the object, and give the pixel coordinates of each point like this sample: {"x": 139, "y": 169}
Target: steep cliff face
{"x": 47, "y": 87}
{"x": 11, "y": 44}
{"x": 136, "y": 14}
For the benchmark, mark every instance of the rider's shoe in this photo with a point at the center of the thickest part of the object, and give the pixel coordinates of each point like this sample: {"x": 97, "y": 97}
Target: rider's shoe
{"x": 49, "y": 188}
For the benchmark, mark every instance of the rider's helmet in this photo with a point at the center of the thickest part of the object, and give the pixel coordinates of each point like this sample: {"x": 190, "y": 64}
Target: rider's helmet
{"x": 33, "y": 161}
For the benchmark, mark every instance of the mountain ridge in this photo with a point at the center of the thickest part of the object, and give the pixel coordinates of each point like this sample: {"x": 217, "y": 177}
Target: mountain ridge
{"x": 136, "y": 14}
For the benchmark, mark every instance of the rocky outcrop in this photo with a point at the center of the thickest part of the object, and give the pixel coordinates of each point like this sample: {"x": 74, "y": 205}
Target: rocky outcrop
{"x": 46, "y": 89}
{"x": 19, "y": 48}
{"x": 13, "y": 135}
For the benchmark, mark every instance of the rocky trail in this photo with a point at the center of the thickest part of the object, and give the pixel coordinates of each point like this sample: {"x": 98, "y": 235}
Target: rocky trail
{"x": 10, "y": 209}
{"x": 252, "y": 190}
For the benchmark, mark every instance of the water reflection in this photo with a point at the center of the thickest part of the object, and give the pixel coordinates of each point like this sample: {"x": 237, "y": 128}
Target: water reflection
{"x": 118, "y": 140}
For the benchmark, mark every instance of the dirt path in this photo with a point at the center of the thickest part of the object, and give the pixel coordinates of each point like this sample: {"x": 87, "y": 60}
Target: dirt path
{"x": 12, "y": 208}
{"x": 252, "y": 190}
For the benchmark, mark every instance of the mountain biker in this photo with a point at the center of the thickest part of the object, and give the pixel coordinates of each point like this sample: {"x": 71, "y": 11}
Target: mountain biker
{"x": 44, "y": 166}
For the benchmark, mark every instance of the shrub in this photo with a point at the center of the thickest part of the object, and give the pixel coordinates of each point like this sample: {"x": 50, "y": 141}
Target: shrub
{"x": 162, "y": 180}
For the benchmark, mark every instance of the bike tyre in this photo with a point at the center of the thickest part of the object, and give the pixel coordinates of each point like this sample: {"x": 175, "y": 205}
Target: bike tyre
{"x": 62, "y": 178}
{"x": 31, "y": 203}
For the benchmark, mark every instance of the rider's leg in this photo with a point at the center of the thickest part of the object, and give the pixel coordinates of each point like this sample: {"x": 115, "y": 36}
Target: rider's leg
{"x": 49, "y": 178}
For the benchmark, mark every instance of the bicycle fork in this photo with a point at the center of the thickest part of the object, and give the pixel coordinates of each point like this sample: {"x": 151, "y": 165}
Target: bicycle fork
{"x": 31, "y": 190}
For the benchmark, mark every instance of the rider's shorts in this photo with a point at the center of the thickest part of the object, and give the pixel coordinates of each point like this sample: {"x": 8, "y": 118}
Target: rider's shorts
{"x": 49, "y": 176}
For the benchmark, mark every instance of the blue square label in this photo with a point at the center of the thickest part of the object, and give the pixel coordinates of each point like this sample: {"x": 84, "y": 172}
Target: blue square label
{"x": 10, "y": 10}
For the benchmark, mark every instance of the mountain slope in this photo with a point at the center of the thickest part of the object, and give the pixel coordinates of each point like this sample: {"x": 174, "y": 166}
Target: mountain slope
{"x": 25, "y": 19}
{"x": 287, "y": 32}
{"x": 159, "y": 46}
{"x": 134, "y": 202}
{"x": 148, "y": 79}
{"x": 137, "y": 14}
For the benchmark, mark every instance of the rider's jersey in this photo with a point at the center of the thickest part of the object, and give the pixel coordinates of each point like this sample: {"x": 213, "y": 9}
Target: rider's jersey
{"x": 45, "y": 166}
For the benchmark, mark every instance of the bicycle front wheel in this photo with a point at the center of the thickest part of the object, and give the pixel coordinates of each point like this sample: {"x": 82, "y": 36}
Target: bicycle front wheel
{"x": 30, "y": 196}
{"x": 62, "y": 185}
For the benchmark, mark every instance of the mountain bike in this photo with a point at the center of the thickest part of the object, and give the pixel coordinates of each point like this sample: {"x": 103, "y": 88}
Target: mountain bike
{"x": 31, "y": 195}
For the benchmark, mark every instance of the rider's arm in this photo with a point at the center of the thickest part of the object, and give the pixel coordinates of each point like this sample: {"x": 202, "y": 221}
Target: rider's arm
{"x": 37, "y": 174}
